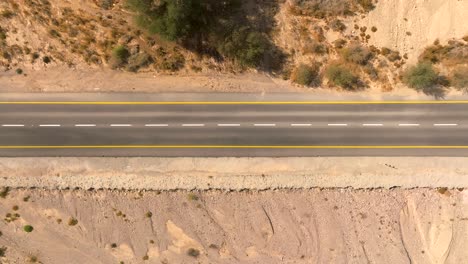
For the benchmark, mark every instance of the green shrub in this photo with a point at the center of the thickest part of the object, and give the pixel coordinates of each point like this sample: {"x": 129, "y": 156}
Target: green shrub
{"x": 3, "y": 251}
{"x": 19, "y": 71}
{"x": 246, "y": 46}
{"x": 357, "y": 54}
{"x": 193, "y": 252}
{"x": 306, "y": 75}
{"x": 119, "y": 57}
{"x": 28, "y": 228}
{"x": 421, "y": 76}
{"x": 341, "y": 76}
{"x": 459, "y": 78}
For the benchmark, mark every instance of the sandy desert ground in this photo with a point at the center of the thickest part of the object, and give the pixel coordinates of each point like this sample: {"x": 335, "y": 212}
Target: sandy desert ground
{"x": 283, "y": 226}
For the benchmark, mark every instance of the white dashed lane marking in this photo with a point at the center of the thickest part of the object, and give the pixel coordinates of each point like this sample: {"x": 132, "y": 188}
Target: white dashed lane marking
{"x": 156, "y": 125}
{"x": 301, "y": 125}
{"x": 193, "y": 125}
{"x": 85, "y": 125}
{"x": 265, "y": 125}
{"x": 408, "y": 125}
{"x": 120, "y": 125}
{"x": 228, "y": 125}
{"x": 373, "y": 125}
{"x": 445, "y": 124}
{"x": 49, "y": 125}
{"x": 13, "y": 125}
{"x": 337, "y": 124}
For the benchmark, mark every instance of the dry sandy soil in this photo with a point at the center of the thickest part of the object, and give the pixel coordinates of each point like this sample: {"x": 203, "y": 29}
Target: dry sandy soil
{"x": 308, "y": 226}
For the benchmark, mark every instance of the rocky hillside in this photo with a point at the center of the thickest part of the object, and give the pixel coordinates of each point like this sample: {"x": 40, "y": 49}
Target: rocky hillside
{"x": 344, "y": 44}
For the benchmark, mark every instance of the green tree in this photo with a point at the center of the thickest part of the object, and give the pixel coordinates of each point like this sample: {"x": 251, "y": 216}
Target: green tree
{"x": 421, "y": 76}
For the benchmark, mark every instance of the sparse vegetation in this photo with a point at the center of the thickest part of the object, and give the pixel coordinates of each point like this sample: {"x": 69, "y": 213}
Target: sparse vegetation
{"x": 4, "y": 192}
{"x": 337, "y": 25}
{"x": 193, "y": 252}
{"x": 306, "y": 75}
{"x": 19, "y": 71}
{"x": 356, "y": 53}
{"x": 341, "y": 76}
{"x": 192, "y": 197}
{"x": 72, "y": 221}
{"x": 28, "y": 228}
{"x": 3, "y": 250}
{"x": 149, "y": 214}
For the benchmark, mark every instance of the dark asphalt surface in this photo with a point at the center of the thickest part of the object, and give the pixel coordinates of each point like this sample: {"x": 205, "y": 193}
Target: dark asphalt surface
{"x": 234, "y": 130}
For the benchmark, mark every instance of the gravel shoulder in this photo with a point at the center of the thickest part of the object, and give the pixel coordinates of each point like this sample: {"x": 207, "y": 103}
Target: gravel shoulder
{"x": 233, "y": 173}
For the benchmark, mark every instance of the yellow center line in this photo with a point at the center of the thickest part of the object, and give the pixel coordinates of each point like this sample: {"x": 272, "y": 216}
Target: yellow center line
{"x": 227, "y": 147}
{"x": 227, "y": 102}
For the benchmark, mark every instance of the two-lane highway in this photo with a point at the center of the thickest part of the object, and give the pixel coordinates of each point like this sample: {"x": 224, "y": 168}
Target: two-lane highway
{"x": 233, "y": 128}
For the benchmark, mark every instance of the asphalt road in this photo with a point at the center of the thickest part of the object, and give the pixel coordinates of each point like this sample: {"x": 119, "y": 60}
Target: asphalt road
{"x": 234, "y": 129}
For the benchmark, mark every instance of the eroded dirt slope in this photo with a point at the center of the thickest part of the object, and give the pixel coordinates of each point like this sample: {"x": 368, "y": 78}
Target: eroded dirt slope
{"x": 308, "y": 226}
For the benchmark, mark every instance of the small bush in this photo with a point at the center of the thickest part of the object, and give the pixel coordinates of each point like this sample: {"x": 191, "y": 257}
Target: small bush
{"x": 341, "y": 76}
{"x": 192, "y": 197}
{"x": 4, "y": 192}
{"x": 306, "y": 75}
{"x": 367, "y": 5}
{"x": 28, "y": 228}
{"x": 19, "y": 71}
{"x": 72, "y": 221}
{"x": 3, "y": 251}
{"x": 337, "y": 25}
{"x": 119, "y": 57}
{"x": 374, "y": 29}
{"x": 106, "y": 4}
{"x": 46, "y": 60}
{"x": 145, "y": 257}
{"x": 7, "y": 14}
{"x": 339, "y": 43}
{"x": 357, "y": 54}
{"x": 193, "y": 252}
{"x": 149, "y": 214}
{"x": 137, "y": 61}
{"x": 459, "y": 78}
{"x": 421, "y": 76}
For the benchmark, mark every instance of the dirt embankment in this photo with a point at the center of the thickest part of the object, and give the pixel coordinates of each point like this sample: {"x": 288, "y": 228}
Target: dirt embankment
{"x": 313, "y": 226}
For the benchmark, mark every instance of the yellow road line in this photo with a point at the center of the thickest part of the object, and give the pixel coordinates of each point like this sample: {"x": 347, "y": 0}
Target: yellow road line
{"x": 230, "y": 103}
{"x": 226, "y": 147}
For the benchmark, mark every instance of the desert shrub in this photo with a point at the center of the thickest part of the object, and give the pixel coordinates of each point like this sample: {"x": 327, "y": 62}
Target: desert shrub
{"x": 246, "y": 46}
{"x": 217, "y": 28}
{"x": 337, "y": 25}
{"x": 356, "y": 53}
{"x": 28, "y": 228}
{"x": 374, "y": 29}
{"x": 106, "y": 4}
{"x": 315, "y": 47}
{"x": 193, "y": 252}
{"x": 137, "y": 61}
{"x": 3, "y": 251}
{"x": 119, "y": 57}
{"x": 459, "y": 78}
{"x": 341, "y": 76}
{"x": 339, "y": 43}
{"x": 192, "y": 197}
{"x": 46, "y": 59}
{"x": 19, "y": 71}
{"x": 4, "y": 192}
{"x": 7, "y": 14}
{"x": 393, "y": 56}
{"x": 179, "y": 20}
{"x": 306, "y": 75}
{"x": 72, "y": 221}
{"x": 3, "y": 34}
{"x": 174, "y": 62}
{"x": 367, "y": 5}
{"x": 149, "y": 214}
{"x": 421, "y": 76}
